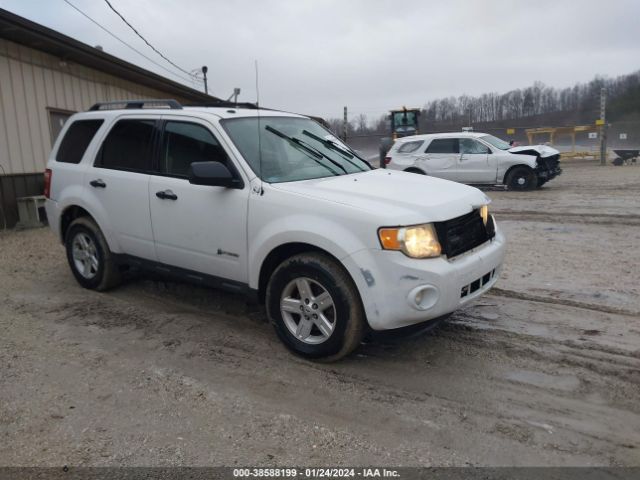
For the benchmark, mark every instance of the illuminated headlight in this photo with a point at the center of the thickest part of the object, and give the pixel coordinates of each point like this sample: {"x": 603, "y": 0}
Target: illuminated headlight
{"x": 484, "y": 213}
{"x": 418, "y": 241}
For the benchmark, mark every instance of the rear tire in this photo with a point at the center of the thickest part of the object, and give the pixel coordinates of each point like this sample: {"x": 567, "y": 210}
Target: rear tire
{"x": 315, "y": 307}
{"x": 89, "y": 257}
{"x": 521, "y": 178}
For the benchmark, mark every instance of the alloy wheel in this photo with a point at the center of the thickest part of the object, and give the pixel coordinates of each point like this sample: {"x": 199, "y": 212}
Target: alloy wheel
{"x": 85, "y": 255}
{"x": 308, "y": 310}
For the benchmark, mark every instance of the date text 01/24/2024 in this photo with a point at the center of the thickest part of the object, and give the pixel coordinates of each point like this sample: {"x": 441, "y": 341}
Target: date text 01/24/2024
{"x": 315, "y": 473}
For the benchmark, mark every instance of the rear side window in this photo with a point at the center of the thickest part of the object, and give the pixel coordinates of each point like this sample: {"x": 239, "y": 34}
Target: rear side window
{"x": 186, "y": 143}
{"x": 128, "y": 146}
{"x": 409, "y": 147}
{"x": 443, "y": 145}
{"x": 76, "y": 140}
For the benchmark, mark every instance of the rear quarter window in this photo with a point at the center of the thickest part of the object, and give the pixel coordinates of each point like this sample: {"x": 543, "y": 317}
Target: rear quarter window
{"x": 76, "y": 140}
{"x": 443, "y": 145}
{"x": 409, "y": 147}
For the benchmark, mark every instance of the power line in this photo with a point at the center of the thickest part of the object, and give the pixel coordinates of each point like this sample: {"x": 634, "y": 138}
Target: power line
{"x": 125, "y": 43}
{"x": 144, "y": 39}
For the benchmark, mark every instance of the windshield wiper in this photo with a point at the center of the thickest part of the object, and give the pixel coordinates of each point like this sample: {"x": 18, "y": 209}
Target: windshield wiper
{"x": 334, "y": 146}
{"x": 300, "y": 145}
{"x": 337, "y": 164}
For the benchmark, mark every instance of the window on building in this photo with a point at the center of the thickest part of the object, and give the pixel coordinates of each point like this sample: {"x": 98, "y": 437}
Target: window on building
{"x": 443, "y": 145}
{"x": 128, "y": 146}
{"x": 76, "y": 140}
{"x": 57, "y": 119}
{"x": 186, "y": 143}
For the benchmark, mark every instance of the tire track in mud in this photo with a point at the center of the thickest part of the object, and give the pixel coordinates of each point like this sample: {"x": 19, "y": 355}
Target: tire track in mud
{"x": 580, "y": 218}
{"x": 126, "y": 314}
{"x": 231, "y": 354}
{"x": 604, "y": 361}
{"x": 501, "y": 292}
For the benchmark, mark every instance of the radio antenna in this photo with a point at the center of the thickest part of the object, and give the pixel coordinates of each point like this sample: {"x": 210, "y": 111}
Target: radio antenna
{"x": 259, "y": 131}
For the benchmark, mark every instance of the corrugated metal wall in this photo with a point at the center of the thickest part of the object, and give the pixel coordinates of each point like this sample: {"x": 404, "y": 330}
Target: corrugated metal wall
{"x": 31, "y": 83}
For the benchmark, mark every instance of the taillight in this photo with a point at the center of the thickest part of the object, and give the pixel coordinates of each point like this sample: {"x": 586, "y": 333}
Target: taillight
{"x": 47, "y": 183}
{"x": 387, "y": 160}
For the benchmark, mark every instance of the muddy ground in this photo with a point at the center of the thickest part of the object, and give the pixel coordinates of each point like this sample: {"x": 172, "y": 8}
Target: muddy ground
{"x": 544, "y": 371}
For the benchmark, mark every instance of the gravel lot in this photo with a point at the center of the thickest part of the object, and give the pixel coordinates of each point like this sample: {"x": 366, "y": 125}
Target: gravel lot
{"x": 544, "y": 371}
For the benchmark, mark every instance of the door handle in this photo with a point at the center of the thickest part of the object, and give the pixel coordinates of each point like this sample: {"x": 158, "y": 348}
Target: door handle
{"x": 166, "y": 195}
{"x": 99, "y": 183}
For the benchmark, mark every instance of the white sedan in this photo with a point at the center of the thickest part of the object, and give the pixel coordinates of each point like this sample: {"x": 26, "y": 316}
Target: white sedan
{"x": 475, "y": 158}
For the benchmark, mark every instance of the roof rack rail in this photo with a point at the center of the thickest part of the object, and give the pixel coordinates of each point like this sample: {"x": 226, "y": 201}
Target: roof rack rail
{"x": 223, "y": 103}
{"x": 130, "y": 104}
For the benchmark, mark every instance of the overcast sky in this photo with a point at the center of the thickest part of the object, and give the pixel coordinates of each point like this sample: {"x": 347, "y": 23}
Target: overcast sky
{"x": 315, "y": 56}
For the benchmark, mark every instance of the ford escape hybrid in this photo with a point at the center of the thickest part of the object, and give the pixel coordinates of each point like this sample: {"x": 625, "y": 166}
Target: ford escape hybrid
{"x": 270, "y": 204}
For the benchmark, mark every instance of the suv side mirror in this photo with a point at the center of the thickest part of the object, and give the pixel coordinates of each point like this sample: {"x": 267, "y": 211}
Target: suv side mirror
{"x": 214, "y": 174}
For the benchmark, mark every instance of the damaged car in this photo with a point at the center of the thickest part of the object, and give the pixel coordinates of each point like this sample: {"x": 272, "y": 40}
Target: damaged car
{"x": 475, "y": 158}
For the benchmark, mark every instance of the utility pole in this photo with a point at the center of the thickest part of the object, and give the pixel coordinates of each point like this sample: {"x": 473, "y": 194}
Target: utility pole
{"x": 204, "y": 72}
{"x": 603, "y": 126}
{"x": 344, "y": 126}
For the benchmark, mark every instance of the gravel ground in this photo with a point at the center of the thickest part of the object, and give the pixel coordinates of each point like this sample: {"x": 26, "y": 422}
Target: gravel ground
{"x": 543, "y": 371}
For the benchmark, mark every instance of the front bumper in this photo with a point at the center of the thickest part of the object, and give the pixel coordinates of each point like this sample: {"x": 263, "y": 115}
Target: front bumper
{"x": 547, "y": 174}
{"x": 398, "y": 291}
{"x": 548, "y": 168}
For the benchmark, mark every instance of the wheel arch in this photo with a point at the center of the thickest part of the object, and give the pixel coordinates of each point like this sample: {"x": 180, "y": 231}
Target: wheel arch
{"x": 69, "y": 214}
{"x": 74, "y": 210}
{"x": 513, "y": 167}
{"x": 286, "y": 250}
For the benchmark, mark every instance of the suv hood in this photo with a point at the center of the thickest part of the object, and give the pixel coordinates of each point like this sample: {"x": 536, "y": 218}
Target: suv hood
{"x": 397, "y": 198}
{"x": 541, "y": 150}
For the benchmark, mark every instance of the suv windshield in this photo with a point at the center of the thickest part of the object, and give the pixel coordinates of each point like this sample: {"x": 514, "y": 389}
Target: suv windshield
{"x": 287, "y": 149}
{"x": 496, "y": 142}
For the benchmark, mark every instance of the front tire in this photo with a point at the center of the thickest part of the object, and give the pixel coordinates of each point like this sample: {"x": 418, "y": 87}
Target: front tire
{"x": 521, "y": 178}
{"x": 89, "y": 257}
{"x": 315, "y": 307}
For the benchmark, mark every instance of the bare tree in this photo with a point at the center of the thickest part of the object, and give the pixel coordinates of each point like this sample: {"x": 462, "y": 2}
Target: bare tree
{"x": 361, "y": 124}
{"x": 535, "y": 99}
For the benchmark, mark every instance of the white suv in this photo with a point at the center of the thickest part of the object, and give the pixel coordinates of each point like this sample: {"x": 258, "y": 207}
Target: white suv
{"x": 271, "y": 204}
{"x": 475, "y": 158}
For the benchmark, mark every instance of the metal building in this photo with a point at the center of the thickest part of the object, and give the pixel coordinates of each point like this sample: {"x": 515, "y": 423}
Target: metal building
{"x": 44, "y": 78}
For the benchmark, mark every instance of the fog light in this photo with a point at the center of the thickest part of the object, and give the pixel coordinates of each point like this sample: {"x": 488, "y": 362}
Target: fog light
{"x": 418, "y": 297}
{"x": 423, "y": 297}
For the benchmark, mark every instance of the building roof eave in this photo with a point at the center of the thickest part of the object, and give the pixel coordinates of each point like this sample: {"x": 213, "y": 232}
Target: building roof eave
{"x": 25, "y": 32}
